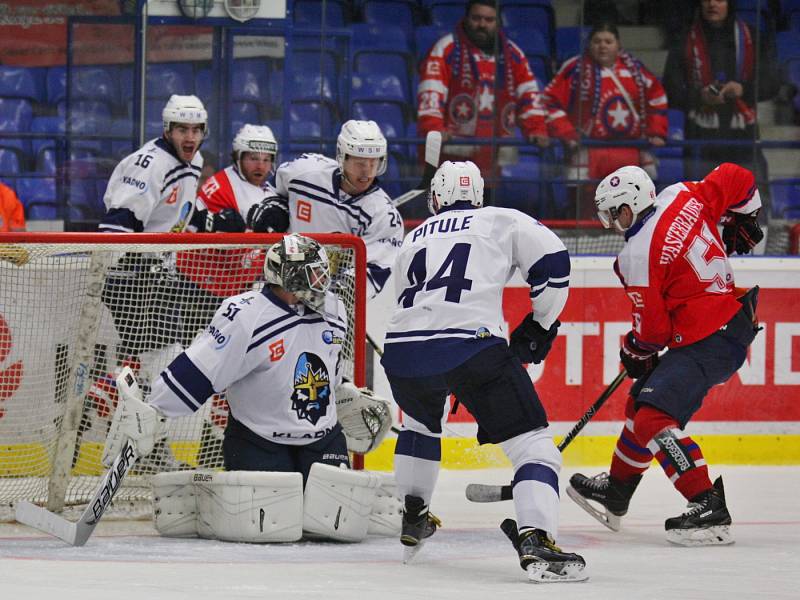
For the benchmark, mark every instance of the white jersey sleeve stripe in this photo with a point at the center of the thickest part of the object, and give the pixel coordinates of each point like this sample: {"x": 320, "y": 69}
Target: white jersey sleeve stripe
{"x": 189, "y": 376}
{"x": 275, "y": 332}
{"x": 359, "y": 215}
{"x": 179, "y": 393}
{"x": 272, "y": 323}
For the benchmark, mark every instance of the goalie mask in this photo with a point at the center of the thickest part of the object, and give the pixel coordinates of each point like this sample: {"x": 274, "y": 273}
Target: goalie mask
{"x": 362, "y": 139}
{"x": 455, "y": 182}
{"x": 629, "y": 186}
{"x": 299, "y": 265}
{"x": 184, "y": 109}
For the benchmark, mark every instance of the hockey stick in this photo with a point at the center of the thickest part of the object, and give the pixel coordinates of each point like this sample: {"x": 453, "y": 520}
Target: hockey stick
{"x": 433, "y": 150}
{"x": 479, "y": 492}
{"x": 78, "y": 532}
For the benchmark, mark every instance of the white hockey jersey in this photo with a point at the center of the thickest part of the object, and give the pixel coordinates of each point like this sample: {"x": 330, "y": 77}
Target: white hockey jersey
{"x": 277, "y": 364}
{"x": 310, "y": 187}
{"x": 149, "y": 189}
{"x": 450, "y": 277}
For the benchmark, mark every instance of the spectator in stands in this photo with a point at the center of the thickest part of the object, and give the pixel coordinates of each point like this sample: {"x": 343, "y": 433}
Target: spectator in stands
{"x": 711, "y": 76}
{"x": 605, "y": 94}
{"x": 12, "y": 213}
{"x": 458, "y": 93}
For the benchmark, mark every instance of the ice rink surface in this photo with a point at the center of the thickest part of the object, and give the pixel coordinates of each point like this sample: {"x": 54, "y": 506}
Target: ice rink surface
{"x": 468, "y": 559}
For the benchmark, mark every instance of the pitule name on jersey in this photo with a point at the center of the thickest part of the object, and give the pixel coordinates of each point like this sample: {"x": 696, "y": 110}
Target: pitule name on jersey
{"x": 306, "y": 436}
{"x": 139, "y": 185}
{"x": 679, "y": 229}
{"x": 448, "y": 225}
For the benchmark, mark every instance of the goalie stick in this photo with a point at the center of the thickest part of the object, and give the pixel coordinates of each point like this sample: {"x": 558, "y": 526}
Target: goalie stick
{"x": 433, "y": 149}
{"x": 78, "y": 532}
{"x": 479, "y": 492}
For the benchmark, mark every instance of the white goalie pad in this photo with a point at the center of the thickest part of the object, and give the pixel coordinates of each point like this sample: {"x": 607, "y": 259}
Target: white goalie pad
{"x": 365, "y": 417}
{"x": 386, "y": 517}
{"x": 338, "y": 502}
{"x": 249, "y": 506}
{"x": 175, "y": 503}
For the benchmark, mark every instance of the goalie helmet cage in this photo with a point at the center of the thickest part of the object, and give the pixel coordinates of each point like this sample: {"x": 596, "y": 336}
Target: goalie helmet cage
{"x": 74, "y": 308}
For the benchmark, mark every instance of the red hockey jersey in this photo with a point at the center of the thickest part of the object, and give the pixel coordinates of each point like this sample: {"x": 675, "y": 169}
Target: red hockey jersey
{"x": 673, "y": 265}
{"x": 225, "y": 272}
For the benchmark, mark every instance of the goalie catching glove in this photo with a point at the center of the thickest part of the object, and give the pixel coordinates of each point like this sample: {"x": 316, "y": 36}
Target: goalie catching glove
{"x": 740, "y": 233}
{"x": 365, "y": 417}
{"x": 134, "y": 420}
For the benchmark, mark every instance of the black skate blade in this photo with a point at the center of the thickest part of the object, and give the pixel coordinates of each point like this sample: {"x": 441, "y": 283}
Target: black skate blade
{"x": 612, "y": 521}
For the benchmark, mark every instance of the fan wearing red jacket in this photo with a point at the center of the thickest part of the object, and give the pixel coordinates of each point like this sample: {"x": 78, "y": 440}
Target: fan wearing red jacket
{"x": 458, "y": 93}
{"x": 675, "y": 270}
{"x": 605, "y": 94}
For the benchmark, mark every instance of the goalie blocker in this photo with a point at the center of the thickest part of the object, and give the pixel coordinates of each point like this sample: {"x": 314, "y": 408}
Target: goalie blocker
{"x": 243, "y": 506}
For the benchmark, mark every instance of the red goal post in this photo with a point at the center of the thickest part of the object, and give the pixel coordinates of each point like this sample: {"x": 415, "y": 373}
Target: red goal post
{"x": 75, "y": 307}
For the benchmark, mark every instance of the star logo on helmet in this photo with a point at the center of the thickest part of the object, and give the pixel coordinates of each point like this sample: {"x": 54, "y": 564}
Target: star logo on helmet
{"x": 614, "y": 181}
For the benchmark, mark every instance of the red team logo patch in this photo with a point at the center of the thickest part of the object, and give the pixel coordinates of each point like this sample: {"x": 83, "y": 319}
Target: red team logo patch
{"x": 173, "y": 196}
{"x": 304, "y": 210}
{"x": 463, "y": 181}
{"x": 276, "y": 351}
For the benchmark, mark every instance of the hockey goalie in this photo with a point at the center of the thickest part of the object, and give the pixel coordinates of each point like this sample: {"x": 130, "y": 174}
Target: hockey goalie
{"x": 292, "y": 417}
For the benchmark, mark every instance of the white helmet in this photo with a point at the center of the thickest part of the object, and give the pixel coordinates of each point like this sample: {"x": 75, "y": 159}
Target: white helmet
{"x": 629, "y": 186}
{"x": 455, "y": 182}
{"x": 254, "y": 138}
{"x": 299, "y": 265}
{"x": 184, "y": 109}
{"x": 362, "y": 139}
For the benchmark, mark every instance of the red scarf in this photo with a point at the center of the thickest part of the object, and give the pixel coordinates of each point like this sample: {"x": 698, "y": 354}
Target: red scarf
{"x": 700, "y": 63}
{"x": 465, "y": 78}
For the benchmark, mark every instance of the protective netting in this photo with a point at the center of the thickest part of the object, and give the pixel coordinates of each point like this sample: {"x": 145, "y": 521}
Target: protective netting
{"x": 71, "y": 315}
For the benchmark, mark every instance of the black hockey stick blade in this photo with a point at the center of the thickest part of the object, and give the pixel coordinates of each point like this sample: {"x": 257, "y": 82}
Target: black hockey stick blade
{"x": 479, "y": 492}
{"x": 433, "y": 150}
{"x": 77, "y": 533}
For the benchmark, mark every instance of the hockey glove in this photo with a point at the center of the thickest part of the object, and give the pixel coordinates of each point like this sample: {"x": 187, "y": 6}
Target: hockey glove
{"x": 268, "y": 217}
{"x": 530, "y": 342}
{"x": 227, "y": 220}
{"x": 365, "y": 417}
{"x": 740, "y": 233}
{"x": 637, "y": 361}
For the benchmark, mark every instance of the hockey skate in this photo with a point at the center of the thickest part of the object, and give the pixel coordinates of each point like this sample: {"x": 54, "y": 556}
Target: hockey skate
{"x": 418, "y": 525}
{"x": 613, "y": 495}
{"x": 541, "y": 559}
{"x": 706, "y": 523}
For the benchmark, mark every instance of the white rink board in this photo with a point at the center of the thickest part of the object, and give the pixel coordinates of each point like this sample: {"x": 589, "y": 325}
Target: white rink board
{"x": 469, "y": 559}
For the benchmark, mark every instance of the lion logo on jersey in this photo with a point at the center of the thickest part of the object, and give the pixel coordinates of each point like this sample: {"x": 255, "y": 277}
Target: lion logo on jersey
{"x": 312, "y": 388}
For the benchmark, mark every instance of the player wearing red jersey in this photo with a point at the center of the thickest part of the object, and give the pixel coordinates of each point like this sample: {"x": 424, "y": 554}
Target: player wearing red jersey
{"x": 675, "y": 270}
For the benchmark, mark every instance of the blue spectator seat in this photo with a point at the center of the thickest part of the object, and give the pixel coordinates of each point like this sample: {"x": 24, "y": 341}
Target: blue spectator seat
{"x": 675, "y": 125}
{"x": 390, "y": 117}
{"x": 245, "y": 112}
{"x": 785, "y": 198}
{"x": 756, "y": 13}
{"x": 249, "y": 83}
{"x": 787, "y": 44}
{"x": 96, "y": 83}
{"x": 310, "y": 13}
{"x": 46, "y": 125}
{"x": 382, "y": 63}
{"x": 670, "y": 170}
{"x": 520, "y": 186}
{"x": 82, "y": 199}
{"x": 398, "y": 13}
{"x": 391, "y": 181}
{"x": 312, "y": 86}
{"x": 15, "y": 117}
{"x": 38, "y": 195}
{"x": 446, "y": 13}
{"x": 56, "y": 84}
{"x": 204, "y": 84}
{"x": 165, "y": 79}
{"x": 425, "y": 37}
{"x": 122, "y": 147}
{"x": 9, "y": 162}
{"x": 380, "y": 87}
{"x": 101, "y": 185}
{"x": 46, "y": 161}
{"x": 384, "y": 38}
{"x": 319, "y": 113}
{"x": 537, "y": 50}
{"x": 18, "y": 82}
{"x": 530, "y": 15}
{"x": 570, "y": 41}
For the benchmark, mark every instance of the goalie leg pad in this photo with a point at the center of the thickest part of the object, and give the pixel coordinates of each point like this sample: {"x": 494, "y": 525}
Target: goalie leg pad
{"x": 338, "y": 502}
{"x": 386, "y": 518}
{"x": 249, "y": 506}
{"x": 175, "y": 503}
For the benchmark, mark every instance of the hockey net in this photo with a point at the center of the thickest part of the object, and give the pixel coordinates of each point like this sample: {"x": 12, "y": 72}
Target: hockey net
{"x": 75, "y": 308}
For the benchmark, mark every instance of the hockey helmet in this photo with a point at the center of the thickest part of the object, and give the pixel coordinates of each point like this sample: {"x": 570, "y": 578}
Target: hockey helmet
{"x": 455, "y": 182}
{"x": 254, "y": 138}
{"x": 184, "y": 109}
{"x": 299, "y": 265}
{"x": 362, "y": 139}
{"x": 629, "y": 186}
